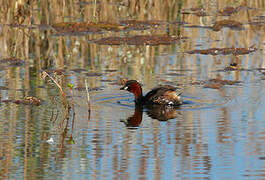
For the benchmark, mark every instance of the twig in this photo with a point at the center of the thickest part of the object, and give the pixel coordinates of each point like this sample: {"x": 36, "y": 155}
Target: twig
{"x": 44, "y": 74}
{"x": 73, "y": 108}
{"x": 66, "y": 104}
{"x": 88, "y": 100}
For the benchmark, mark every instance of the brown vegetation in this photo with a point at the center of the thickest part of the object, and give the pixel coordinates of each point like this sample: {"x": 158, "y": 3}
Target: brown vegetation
{"x": 218, "y": 25}
{"x": 223, "y": 51}
{"x": 152, "y": 40}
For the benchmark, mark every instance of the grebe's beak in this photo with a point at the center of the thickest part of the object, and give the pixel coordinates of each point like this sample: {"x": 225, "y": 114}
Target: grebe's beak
{"x": 124, "y": 88}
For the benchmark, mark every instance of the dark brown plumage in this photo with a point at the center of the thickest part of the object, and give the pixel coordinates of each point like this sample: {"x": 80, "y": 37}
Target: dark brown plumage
{"x": 163, "y": 95}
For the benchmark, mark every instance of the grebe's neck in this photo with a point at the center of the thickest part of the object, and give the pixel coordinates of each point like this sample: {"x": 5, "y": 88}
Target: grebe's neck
{"x": 136, "y": 89}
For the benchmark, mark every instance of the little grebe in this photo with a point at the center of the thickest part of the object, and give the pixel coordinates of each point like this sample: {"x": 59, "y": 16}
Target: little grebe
{"x": 162, "y": 95}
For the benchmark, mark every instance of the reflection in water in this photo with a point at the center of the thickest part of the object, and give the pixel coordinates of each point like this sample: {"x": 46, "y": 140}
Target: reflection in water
{"x": 135, "y": 120}
{"x": 162, "y": 113}
{"x": 159, "y": 112}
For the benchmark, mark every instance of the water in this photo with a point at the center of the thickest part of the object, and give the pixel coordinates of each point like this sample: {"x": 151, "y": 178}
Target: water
{"x": 217, "y": 134}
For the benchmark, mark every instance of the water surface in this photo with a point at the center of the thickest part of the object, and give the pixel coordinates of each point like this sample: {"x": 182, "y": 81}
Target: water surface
{"x": 218, "y": 134}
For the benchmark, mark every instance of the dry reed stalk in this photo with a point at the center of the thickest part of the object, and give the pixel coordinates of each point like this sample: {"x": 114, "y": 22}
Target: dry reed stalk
{"x": 45, "y": 74}
{"x": 88, "y": 100}
{"x": 73, "y": 120}
{"x": 64, "y": 100}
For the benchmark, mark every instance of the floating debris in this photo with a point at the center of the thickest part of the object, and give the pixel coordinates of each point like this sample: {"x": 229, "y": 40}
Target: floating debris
{"x": 107, "y": 80}
{"x": 152, "y": 40}
{"x": 111, "y": 70}
{"x": 85, "y": 27}
{"x": 198, "y": 26}
{"x": 29, "y": 100}
{"x": 224, "y": 82}
{"x": 196, "y": 11}
{"x": 215, "y": 83}
{"x": 227, "y": 11}
{"x": 12, "y": 61}
{"x": 111, "y": 41}
{"x": 199, "y": 11}
{"x": 232, "y": 67}
{"x": 93, "y": 74}
{"x": 218, "y": 25}
{"x": 78, "y": 70}
{"x": 79, "y": 28}
{"x": 198, "y": 83}
{"x": 223, "y": 51}
{"x": 74, "y": 27}
{"x": 174, "y": 74}
{"x": 219, "y": 83}
{"x": 141, "y": 25}
{"x": 97, "y": 2}
{"x": 55, "y": 71}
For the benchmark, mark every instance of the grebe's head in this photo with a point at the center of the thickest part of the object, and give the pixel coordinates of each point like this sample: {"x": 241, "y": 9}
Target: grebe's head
{"x": 134, "y": 87}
